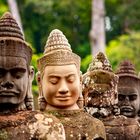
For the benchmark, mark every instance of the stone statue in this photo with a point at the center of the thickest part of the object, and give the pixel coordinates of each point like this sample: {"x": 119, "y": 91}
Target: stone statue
{"x": 128, "y": 90}
{"x": 17, "y": 120}
{"x": 60, "y": 89}
{"x": 101, "y": 98}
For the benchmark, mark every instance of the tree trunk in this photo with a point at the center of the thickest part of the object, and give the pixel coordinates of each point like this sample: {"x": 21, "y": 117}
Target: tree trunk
{"x": 15, "y": 12}
{"x": 97, "y": 33}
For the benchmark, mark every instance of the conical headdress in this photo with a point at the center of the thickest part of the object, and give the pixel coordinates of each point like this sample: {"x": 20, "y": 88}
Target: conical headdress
{"x": 126, "y": 68}
{"x": 100, "y": 70}
{"x": 100, "y": 62}
{"x": 12, "y": 42}
{"x": 58, "y": 52}
{"x": 100, "y": 79}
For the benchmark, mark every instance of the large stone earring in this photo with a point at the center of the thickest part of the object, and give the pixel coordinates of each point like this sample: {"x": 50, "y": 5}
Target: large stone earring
{"x": 80, "y": 101}
{"x": 41, "y": 100}
{"x": 29, "y": 99}
{"x": 42, "y": 103}
{"x": 29, "y": 102}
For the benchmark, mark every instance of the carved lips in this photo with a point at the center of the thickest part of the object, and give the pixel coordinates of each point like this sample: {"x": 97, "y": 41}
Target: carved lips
{"x": 8, "y": 93}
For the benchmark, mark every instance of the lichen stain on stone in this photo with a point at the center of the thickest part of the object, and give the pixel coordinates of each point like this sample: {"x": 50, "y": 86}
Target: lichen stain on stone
{"x": 3, "y": 135}
{"x": 46, "y": 128}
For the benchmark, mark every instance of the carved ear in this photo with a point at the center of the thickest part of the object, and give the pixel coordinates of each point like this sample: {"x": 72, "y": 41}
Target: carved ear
{"x": 41, "y": 100}
{"x": 31, "y": 73}
{"x": 81, "y": 81}
{"x": 38, "y": 78}
{"x": 81, "y": 77}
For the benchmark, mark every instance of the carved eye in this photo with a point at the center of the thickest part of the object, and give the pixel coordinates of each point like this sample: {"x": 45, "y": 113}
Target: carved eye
{"x": 18, "y": 76}
{"x": 71, "y": 79}
{"x": 2, "y": 72}
{"x": 121, "y": 97}
{"x": 132, "y": 97}
{"x": 53, "y": 80}
{"x": 18, "y": 73}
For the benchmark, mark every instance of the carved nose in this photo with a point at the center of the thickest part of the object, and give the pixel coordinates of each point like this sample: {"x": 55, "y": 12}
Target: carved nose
{"x": 63, "y": 87}
{"x": 7, "y": 84}
{"x": 127, "y": 98}
{"x": 7, "y": 81}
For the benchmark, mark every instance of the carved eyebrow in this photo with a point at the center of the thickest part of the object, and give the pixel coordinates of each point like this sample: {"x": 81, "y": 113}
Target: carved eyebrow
{"x": 58, "y": 75}
{"x": 2, "y": 69}
{"x": 53, "y": 75}
{"x": 13, "y": 69}
{"x": 18, "y": 69}
{"x": 70, "y": 75}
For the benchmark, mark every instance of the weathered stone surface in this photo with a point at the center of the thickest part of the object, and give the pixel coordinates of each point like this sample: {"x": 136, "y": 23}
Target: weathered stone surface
{"x": 30, "y": 125}
{"x": 121, "y": 128}
{"x": 101, "y": 98}
{"x": 80, "y": 125}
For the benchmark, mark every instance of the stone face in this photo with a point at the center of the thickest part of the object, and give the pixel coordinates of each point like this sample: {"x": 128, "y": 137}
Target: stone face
{"x": 27, "y": 125}
{"x": 128, "y": 89}
{"x": 80, "y": 125}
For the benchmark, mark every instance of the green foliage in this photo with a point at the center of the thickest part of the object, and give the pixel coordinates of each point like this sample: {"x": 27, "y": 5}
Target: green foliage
{"x": 35, "y": 57}
{"x": 112, "y": 7}
{"x": 3, "y": 7}
{"x": 70, "y": 16}
{"x": 124, "y": 16}
{"x": 85, "y": 63}
{"x": 73, "y": 17}
{"x": 126, "y": 47}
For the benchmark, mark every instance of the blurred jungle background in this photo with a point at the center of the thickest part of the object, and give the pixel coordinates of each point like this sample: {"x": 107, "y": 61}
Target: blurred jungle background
{"x": 120, "y": 19}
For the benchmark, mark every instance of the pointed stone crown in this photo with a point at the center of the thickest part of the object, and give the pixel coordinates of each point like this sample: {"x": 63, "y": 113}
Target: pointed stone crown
{"x": 58, "y": 52}
{"x": 9, "y": 27}
{"x": 100, "y": 62}
{"x": 100, "y": 71}
{"x": 126, "y": 68}
{"x": 12, "y": 42}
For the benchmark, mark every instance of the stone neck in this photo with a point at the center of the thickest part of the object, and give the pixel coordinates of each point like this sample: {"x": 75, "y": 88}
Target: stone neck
{"x": 65, "y": 113}
{"x": 11, "y": 108}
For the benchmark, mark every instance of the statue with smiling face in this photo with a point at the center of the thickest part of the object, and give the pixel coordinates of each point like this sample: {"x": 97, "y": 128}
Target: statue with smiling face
{"x": 128, "y": 89}
{"x": 17, "y": 121}
{"x": 101, "y": 99}
{"x": 60, "y": 89}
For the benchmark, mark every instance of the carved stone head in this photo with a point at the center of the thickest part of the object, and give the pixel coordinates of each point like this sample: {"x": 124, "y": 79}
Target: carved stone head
{"x": 15, "y": 73}
{"x": 59, "y": 74}
{"x": 128, "y": 89}
{"x": 100, "y": 85}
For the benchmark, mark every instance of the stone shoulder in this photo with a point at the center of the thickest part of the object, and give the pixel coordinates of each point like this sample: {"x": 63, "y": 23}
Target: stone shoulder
{"x": 120, "y": 121}
{"x": 31, "y": 125}
{"x": 96, "y": 126}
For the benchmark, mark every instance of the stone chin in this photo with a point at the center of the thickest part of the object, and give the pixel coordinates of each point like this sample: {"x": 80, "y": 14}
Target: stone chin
{"x": 10, "y": 99}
